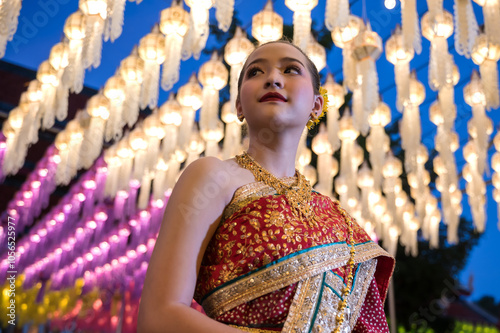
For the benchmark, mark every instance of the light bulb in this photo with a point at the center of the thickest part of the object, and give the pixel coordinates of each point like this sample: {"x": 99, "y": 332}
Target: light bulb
{"x": 390, "y": 4}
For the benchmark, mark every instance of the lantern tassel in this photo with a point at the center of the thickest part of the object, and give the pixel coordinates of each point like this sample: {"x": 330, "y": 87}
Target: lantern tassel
{"x": 489, "y": 79}
{"x": 466, "y": 27}
{"x": 149, "y": 93}
{"x": 170, "y": 75}
{"x": 491, "y": 12}
{"x": 402, "y": 73}
{"x": 337, "y": 14}
{"x": 224, "y": 13}
{"x": 93, "y": 41}
{"x": 410, "y": 26}
{"x": 115, "y": 21}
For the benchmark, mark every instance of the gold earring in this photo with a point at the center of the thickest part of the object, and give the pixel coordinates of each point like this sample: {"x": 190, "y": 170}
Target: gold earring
{"x": 241, "y": 117}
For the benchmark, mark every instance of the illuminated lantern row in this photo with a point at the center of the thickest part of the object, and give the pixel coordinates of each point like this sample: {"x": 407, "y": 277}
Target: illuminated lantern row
{"x": 47, "y": 96}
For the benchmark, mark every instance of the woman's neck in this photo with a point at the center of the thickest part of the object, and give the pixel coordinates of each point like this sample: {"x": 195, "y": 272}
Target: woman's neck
{"x": 275, "y": 152}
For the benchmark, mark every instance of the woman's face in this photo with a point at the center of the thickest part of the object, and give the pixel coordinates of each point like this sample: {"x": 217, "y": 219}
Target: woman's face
{"x": 276, "y": 88}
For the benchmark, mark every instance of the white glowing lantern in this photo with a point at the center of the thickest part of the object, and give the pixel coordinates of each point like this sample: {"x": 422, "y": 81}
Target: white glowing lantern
{"x": 301, "y": 20}
{"x": 199, "y": 28}
{"x": 74, "y": 29}
{"x": 152, "y": 51}
{"x": 132, "y": 71}
{"x": 267, "y": 25}
{"x": 174, "y": 24}
{"x": 236, "y": 52}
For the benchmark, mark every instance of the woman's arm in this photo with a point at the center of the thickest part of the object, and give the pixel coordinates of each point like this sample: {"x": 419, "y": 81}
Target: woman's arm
{"x": 191, "y": 217}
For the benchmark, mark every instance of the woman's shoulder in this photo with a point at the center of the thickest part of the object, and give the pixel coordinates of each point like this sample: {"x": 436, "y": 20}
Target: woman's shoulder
{"x": 216, "y": 178}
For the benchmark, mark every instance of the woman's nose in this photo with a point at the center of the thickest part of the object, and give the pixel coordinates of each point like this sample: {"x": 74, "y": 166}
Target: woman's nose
{"x": 274, "y": 79}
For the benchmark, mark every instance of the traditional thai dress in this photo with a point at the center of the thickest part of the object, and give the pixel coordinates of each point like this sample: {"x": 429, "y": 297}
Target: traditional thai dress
{"x": 267, "y": 269}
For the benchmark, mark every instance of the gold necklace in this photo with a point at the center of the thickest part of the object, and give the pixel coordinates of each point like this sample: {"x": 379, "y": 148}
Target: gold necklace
{"x": 299, "y": 200}
{"x": 350, "y": 277}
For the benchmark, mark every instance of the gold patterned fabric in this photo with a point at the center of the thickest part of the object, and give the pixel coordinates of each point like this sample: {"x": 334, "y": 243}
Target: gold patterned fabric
{"x": 261, "y": 248}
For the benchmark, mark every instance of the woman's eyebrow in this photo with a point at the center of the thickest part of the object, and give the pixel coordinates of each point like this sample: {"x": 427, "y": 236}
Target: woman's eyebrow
{"x": 284, "y": 59}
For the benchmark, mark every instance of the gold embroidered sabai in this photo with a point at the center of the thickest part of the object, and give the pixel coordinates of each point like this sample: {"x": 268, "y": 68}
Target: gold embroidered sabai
{"x": 319, "y": 290}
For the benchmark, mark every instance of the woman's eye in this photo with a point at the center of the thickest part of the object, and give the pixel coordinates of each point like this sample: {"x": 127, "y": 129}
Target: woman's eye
{"x": 292, "y": 70}
{"x": 253, "y": 71}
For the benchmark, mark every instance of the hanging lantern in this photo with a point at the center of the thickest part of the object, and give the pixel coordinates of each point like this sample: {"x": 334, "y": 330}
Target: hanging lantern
{"x": 154, "y": 130}
{"x": 114, "y": 23}
{"x": 412, "y": 41}
{"x": 400, "y": 57}
{"x": 366, "y": 49}
{"x": 348, "y": 166}
{"x": 213, "y": 76}
{"x": 195, "y": 146}
{"x": 321, "y": 147}
{"x": 224, "y": 13}
{"x": 335, "y": 101}
{"x": 267, "y": 25}
{"x": 198, "y": 28}
{"x": 365, "y": 183}
{"x": 437, "y": 28}
{"x": 212, "y": 136}
{"x": 96, "y": 12}
{"x": 316, "y": 52}
{"x": 190, "y": 97}
{"x": 475, "y": 188}
{"x": 445, "y": 167}
{"x": 68, "y": 143}
{"x": 336, "y": 14}
{"x": 152, "y": 51}
{"x": 59, "y": 59}
{"x": 478, "y": 125}
{"x": 9, "y": 13}
{"x": 170, "y": 114}
{"x": 47, "y": 76}
{"x": 466, "y": 27}
{"x": 31, "y": 100}
{"x": 131, "y": 70}
{"x": 113, "y": 165}
{"x": 301, "y": 20}
{"x": 115, "y": 90}
{"x": 486, "y": 54}
{"x": 138, "y": 141}
{"x": 236, "y": 52}
{"x": 174, "y": 24}
{"x": 98, "y": 109}
{"x": 377, "y": 142}
{"x": 410, "y": 127}
{"x": 74, "y": 29}
{"x": 391, "y": 171}
{"x": 343, "y": 38}
{"x": 232, "y": 135}
{"x": 491, "y": 13}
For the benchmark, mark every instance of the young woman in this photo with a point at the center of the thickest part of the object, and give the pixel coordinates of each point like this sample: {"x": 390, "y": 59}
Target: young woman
{"x": 251, "y": 241}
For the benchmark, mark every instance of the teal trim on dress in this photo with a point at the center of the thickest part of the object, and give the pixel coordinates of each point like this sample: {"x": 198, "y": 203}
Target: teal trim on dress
{"x": 318, "y": 303}
{"x": 274, "y": 263}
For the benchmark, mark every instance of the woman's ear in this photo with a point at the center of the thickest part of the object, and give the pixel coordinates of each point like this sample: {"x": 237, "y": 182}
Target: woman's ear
{"x": 239, "y": 111}
{"x": 318, "y": 105}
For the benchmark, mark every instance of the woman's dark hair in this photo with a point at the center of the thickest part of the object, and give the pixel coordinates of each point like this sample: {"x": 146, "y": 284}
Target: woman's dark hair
{"x": 316, "y": 83}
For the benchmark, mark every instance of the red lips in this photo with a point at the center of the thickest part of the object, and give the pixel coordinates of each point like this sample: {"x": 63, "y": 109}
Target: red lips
{"x": 272, "y": 96}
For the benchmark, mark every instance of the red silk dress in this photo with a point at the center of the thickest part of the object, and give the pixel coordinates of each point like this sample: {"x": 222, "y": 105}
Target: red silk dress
{"x": 258, "y": 228}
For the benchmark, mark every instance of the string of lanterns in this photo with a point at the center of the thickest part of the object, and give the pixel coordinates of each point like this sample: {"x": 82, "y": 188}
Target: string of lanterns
{"x": 103, "y": 230}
